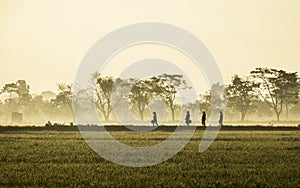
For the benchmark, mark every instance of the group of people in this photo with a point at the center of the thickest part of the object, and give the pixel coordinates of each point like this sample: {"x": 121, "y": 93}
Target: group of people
{"x": 188, "y": 119}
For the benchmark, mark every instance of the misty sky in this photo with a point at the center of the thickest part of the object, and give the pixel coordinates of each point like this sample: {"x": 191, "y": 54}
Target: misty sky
{"x": 45, "y": 41}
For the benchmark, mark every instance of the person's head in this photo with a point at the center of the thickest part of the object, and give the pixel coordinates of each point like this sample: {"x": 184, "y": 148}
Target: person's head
{"x": 221, "y": 112}
{"x": 188, "y": 112}
{"x": 203, "y": 112}
{"x": 154, "y": 113}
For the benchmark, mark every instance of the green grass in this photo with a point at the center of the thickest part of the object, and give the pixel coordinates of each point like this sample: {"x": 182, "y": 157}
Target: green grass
{"x": 52, "y": 158}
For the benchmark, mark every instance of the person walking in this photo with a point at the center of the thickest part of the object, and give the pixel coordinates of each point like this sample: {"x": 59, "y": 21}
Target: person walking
{"x": 221, "y": 118}
{"x": 203, "y": 118}
{"x": 154, "y": 120}
{"x": 188, "y": 118}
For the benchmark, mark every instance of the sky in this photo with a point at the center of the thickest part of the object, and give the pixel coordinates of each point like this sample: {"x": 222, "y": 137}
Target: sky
{"x": 44, "y": 42}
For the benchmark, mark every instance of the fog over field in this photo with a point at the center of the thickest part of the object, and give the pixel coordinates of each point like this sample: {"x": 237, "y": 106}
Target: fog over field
{"x": 268, "y": 97}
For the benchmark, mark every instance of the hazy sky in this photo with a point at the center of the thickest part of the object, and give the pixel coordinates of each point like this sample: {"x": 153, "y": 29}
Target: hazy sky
{"x": 44, "y": 41}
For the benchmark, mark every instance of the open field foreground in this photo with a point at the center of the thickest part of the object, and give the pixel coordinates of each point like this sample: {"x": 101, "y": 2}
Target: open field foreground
{"x": 59, "y": 157}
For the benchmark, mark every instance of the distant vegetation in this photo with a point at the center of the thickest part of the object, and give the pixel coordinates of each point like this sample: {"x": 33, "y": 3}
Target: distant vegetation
{"x": 265, "y": 95}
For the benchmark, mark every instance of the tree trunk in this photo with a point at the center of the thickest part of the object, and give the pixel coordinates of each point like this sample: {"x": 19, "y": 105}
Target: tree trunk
{"x": 278, "y": 115}
{"x": 142, "y": 115}
{"x": 243, "y": 115}
{"x": 286, "y": 111}
{"x": 106, "y": 116}
{"x": 173, "y": 113}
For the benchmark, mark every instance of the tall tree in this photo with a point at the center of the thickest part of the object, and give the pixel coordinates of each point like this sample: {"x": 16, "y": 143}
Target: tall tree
{"x": 274, "y": 87}
{"x": 241, "y": 94}
{"x": 166, "y": 86}
{"x": 290, "y": 86}
{"x": 21, "y": 89}
{"x": 139, "y": 96}
{"x": 64, "y": 97}
{"x": 23, "y": 92}
{"x": 103, "y": 88}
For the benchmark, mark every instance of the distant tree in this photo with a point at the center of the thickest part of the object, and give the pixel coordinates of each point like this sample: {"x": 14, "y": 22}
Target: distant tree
{"x": 64, "y": 97}
{"x": 82, "y": 97}
{"x": 121, "y": 101}
{"x": 275, "y": 87}
{"x": 204, "y": 103}
{"x": 192, "y": 106}
{"x": 291, "y": 88}
{"x": 217, "y": 100}
{"x": 140, "y": 96}
{"x": 213, "y": 99}
{"x": 166, "y": 86}
{"x": 36, "y": 109}
{"x": 263, "y": 110}
{"x": 21, "y": 90}
{"x": 103, "y": 87}
{"x": 10, "y": 88}
{"x": 241, "y": 95}
{"x": 121, "y": 91}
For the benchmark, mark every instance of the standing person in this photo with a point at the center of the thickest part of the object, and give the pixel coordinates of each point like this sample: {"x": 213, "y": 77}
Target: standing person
{"x": 154, "y": 120}
{"x": 187, "y": 118}
{"x": 221, "y": 118}
{"x": 203, "y": 118}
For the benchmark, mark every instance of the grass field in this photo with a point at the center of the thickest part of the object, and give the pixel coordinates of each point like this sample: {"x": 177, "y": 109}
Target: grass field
{"x": 59, "y": 157}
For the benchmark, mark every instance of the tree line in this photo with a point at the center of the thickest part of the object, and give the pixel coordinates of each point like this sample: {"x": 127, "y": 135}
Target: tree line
{"x": 263, "y": 88}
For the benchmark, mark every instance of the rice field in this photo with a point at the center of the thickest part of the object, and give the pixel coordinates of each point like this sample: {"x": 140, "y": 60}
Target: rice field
{"x": 59, "y": 157}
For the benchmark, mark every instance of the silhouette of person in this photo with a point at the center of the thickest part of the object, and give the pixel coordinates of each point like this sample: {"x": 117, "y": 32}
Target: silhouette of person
{"x": 154, "y": 120}
{"x": 203, "y": 118}
{"x": 187, "y": 118}
{"x": 221, "y": 118}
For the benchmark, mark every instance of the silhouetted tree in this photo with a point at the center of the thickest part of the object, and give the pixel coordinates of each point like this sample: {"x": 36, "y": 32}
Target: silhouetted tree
{"x": 166, "y": 86}
{"x": 21, "y": 98}
{"x": 10, "y": 88}
{"x": 274, "y": 87}
{"x": 291, "y": 88}
{"x": 103, "y": 87}
{"x": 21, "y": 88}
{"x": 139, "y": 96}
{"x": 64, "y": 97}
{"x": 241, "y": 94}
{"x": 23, "y": 92}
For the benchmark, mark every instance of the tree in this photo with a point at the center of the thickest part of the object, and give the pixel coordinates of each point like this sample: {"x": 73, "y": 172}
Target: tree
{"x": 64, "y": 98}
{"x": 21, "y": 88}
{"x": 204, "y": 102}
{"x": 291, "y": 88}
{"x": 23, "y": 92}
{"x": 139, "y": 96}
{"x": 241, "y": 94}
{"x": 103, "y": 89}
{"x": 11, "y": 102}
{"x": 10, "y": 88}
{"x": 275, "y": 87}
{"x": 166, "y": 86}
